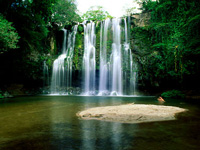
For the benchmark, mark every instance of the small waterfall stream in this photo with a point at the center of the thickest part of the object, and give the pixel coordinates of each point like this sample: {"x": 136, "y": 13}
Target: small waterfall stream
{"x": 116, "y": 60}
{"x": 89, "y": 61}
{"x": 104, "y": 64}
{"x": 130, "y": 73}
{"x": 61, "y": 73}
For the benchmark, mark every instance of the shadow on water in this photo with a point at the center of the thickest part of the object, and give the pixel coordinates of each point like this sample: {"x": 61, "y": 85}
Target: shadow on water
{"x": 50, "y": 122}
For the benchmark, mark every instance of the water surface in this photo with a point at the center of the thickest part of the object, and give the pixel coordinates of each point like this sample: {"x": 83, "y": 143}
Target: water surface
{"x": 50, "y": 123}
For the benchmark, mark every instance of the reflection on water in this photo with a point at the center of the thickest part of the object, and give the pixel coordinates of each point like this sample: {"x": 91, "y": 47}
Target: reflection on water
{"x": 99, "y": 128}
{"x": 50, "y": 122}
{"x": 116, "y": 138}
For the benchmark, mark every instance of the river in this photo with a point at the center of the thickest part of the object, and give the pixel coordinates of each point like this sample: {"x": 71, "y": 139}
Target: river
{"x": 50, "y": 123}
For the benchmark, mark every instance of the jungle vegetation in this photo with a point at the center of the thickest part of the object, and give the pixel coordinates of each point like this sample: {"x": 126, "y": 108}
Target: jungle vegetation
{"x": 169, "y": 45}
{"x": 167, "y": 48}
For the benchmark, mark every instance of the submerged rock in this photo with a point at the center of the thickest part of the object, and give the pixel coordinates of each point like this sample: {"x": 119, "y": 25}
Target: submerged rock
{"x": 131, "y": 113}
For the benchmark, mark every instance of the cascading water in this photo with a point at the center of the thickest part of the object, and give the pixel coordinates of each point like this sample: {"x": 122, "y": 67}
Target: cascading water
{"x": 116, "y": 60}
{"x": 89, "y": 61}
{"x": 69, "y": 55}
{"x": 58, "y": 73}
{"x": 117, "y": 68}
{"x": 130, "y": 66}
{"x": 126, "y": 54}
{"x": 104, "y": 65}
{"x": 117, "y": 76}
{"x": 62, "y": 74}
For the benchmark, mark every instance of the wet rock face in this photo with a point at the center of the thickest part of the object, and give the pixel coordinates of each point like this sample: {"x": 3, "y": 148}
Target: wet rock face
{"x": 142, "y": 19}
{"x": 131, "y": 113}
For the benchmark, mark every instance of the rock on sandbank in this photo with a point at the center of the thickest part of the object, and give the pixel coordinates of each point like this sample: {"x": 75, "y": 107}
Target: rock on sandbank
{"x": 131, "y": 113}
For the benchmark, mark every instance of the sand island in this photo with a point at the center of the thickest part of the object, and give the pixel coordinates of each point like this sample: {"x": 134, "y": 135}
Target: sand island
{"x": 131, "y": 113}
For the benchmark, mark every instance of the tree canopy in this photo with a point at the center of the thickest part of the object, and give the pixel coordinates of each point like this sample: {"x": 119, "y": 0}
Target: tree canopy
{"x": 171, "y": 39}
{"x": 96, "y": 13}
{"x": 65, "y": 13}
{"x": 35, "y": 22}
{"x": 167, "y": 48}
{"x": 8, "y": 35}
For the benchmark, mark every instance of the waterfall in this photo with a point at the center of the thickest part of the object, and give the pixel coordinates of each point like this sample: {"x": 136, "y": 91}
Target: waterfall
{"x": 62, "y": 74}
{"x": 116, "y": 73}
{"x": 132, "y": 67}
{"x": 116, "y": 60}
{"x": 69, "y": 55}
{"x": 89, "y": 61}
{"x": 64, "y": 41}
{"x": 103, "y": 79}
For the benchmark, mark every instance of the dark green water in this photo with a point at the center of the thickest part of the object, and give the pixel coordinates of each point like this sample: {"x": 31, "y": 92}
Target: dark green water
{"x": 50, "y": 123}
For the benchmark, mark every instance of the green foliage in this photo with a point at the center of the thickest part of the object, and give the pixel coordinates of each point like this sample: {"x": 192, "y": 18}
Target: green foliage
{"x": 64, "y": 13}
{"x": 36, "y": 22}
{"x": 169, "y": 46}
{"x": 96, "y": 14}
{"x": 173, "y": 94}
{"x": 79, "y": 49}
{"x": 148, "y": 5}
{"x": 1, "y": 96}
{"x": 130, "y": 11}
{"x": 8, "y": 35}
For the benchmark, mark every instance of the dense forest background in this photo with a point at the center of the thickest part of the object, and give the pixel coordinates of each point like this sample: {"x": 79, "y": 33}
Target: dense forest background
{"x": 166, "y": 47}
{"x": 170, "y": 43}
